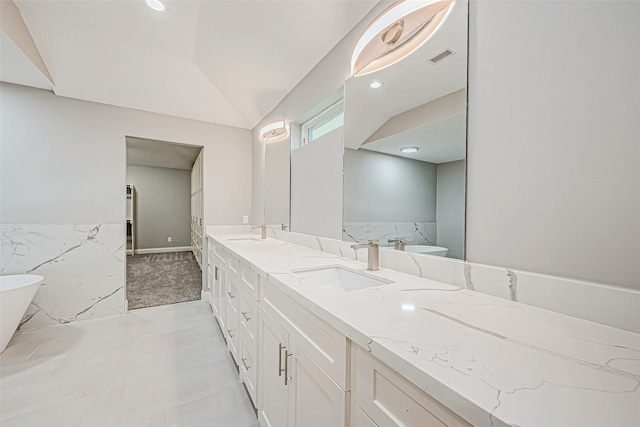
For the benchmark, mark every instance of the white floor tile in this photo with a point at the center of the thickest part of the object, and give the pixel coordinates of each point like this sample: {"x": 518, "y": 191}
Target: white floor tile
{"x": 160, "y": 366}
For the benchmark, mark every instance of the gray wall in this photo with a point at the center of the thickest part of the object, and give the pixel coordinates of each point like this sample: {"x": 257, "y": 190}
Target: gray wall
{"x": 316, "y": 187}
{"x": 162, "y": 206}
{"x": 383, "y": 188}
{"x": 63, "y": 160}
{"x": 450, "y": 208}
{"x": 553, "y": 149}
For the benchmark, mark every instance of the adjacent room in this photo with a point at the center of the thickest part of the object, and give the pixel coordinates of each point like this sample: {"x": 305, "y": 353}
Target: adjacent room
{"x": 164, "y": 223}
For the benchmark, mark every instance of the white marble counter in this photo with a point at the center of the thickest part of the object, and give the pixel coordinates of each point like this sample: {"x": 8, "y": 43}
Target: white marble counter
{"x": 493, "y": 361}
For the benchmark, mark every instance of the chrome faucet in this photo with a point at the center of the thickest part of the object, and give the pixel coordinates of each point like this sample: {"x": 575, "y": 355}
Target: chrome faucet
{"x": 399, "y": 243}
{"x": 373, "y": 255}
{"x": 263, "y": 231}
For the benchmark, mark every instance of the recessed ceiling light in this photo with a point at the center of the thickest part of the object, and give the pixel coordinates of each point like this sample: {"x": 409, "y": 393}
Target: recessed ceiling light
{"x": 408, "y": 307}
{"x": 375, "y": 85}
{"x": 155, "y": 5}
{"x": 408, "y": 150}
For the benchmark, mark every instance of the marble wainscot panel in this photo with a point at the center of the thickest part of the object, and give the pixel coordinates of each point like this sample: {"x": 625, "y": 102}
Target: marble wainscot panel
{"x": 602, "y": 303}
{"x": 494, "y": 361}
{"x": 84, "y": 270}
{"x": 12, "y": 249}
{"x": 418, "y": 233}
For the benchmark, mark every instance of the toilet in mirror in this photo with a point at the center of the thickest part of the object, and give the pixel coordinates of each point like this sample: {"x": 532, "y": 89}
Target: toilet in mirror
{"x": 405, "y": 113}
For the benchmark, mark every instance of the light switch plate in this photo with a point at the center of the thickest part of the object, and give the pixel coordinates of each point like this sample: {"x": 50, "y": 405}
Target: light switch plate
{"x": 245, "y": 219}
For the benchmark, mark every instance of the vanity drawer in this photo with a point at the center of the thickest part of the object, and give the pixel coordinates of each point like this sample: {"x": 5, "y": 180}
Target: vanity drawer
{"x": 326, "y": 346}
{"x": 219, "y": 254}
{"x": 233, "y": 266}
{"x": 391, "y": 400}
{"x": 248, "y": 316}
{"x": 250, "y": 280}
{"x": 247, "y": 366}
{"x": 232, "y": 295}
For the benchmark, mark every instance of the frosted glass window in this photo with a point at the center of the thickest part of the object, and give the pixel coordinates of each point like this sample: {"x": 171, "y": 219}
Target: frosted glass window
{"x": 330, "y": 119}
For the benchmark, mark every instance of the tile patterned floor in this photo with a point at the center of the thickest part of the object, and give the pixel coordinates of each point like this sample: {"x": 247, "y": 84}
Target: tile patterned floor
{"x": 159, "y": 366}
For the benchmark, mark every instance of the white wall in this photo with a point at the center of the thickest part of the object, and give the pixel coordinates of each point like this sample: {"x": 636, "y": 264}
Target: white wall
{"x": 63, "y": 160}
{"x": 450, "y": 208}
{"x": 316, "y": 186}
{"x": 162, "y": 206}
{"x": 383, "y": 188}
{"x": 553, "y": 147}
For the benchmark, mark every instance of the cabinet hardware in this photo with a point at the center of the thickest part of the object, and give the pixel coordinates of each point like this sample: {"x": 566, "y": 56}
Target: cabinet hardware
{"x": 287, "y": 378}
{"x": 244, "y": 362}
{"x": 231, "y": 295}
{"x": 217, "y": 277}
{"x": 230, "y": 334}
{"x": 244, "y": 314}
{"x": 280, "y": 370}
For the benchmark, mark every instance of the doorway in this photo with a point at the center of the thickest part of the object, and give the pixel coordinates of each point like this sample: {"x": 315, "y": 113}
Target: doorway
{"x": 164, "y": 209}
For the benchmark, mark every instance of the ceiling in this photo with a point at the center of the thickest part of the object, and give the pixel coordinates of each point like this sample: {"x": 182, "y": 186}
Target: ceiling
{"x": 161, "y": 154}
{"x": 227, "y": 62}
{"x": 16, "y": 67}
{"x": 438, "y": 142}
{"x": 412, "y": 82}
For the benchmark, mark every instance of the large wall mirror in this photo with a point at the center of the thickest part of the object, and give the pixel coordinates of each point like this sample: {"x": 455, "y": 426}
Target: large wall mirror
{"x": 405, "y": 145}
{"x": 276, "y": 183}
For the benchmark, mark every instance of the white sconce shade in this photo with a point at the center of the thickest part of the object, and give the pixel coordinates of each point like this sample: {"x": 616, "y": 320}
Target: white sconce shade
{"x": 274, "y": 132}
{"x": 397, "y": 32}
{"x": 155, "y": 5}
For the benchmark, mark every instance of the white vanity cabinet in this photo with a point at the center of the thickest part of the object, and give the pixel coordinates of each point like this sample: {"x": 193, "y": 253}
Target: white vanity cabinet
{"x": 300, "y": 371}
{"x": 294, "y": 390}
{"x": 381, "y": 397}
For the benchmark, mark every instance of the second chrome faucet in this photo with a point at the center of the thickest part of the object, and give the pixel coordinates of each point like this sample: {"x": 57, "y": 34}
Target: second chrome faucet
{"x": 373, "y": 255}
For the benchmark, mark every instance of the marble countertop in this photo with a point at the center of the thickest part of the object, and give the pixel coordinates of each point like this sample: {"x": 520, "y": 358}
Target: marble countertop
{"x": 493, "y": 361}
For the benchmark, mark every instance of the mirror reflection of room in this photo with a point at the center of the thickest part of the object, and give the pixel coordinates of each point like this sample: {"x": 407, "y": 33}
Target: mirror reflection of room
{"x": 405, "y": 147}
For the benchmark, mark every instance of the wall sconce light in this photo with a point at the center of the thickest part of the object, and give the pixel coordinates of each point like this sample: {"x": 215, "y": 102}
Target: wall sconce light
{"x": 397, "y": 32}
{"x": 274, "y": 132}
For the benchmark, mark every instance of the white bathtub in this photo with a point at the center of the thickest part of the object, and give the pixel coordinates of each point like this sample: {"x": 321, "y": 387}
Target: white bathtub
{"x": 16, "y": 293}
{"x": 427, "y": 250}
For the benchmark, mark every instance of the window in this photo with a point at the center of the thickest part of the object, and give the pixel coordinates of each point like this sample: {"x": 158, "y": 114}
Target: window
{"x": 330, "y": 119}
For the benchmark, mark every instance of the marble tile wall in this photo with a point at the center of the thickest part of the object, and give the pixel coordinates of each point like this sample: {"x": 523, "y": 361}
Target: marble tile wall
{"x": 83, "y": 267}
{"x": 610, "y": 305}
{"x": 419, "y": 233}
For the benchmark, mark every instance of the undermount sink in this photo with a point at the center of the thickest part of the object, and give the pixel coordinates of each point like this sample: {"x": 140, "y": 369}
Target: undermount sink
{"x": 235, "y": 239}
{"x": 340, "y": 277}
{"x": 427, "y": 249}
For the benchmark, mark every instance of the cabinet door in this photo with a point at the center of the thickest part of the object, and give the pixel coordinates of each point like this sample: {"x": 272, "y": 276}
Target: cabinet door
{"x": 232, "y": 331}
{"x": 247, "y": 367}
{"x": 272, "y": 391}
{"x": 315, "y": 400}
{"x": 219, "y": 300}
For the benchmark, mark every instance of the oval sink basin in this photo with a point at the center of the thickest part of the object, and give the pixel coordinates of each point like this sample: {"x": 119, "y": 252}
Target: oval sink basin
{"x": 340, "y": 277}
{"x": 235, "y": 239}
{"x": 426, "y": 249}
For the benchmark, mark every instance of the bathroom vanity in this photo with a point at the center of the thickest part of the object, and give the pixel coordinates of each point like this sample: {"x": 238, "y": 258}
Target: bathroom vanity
{"x": 320, "y": 341}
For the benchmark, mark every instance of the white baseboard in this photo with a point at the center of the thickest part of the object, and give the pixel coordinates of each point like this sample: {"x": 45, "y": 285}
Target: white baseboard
{"x": 163, "y": 250}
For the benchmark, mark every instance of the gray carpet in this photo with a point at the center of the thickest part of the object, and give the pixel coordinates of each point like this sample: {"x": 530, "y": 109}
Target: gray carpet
{"x": 160, "y": 279}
